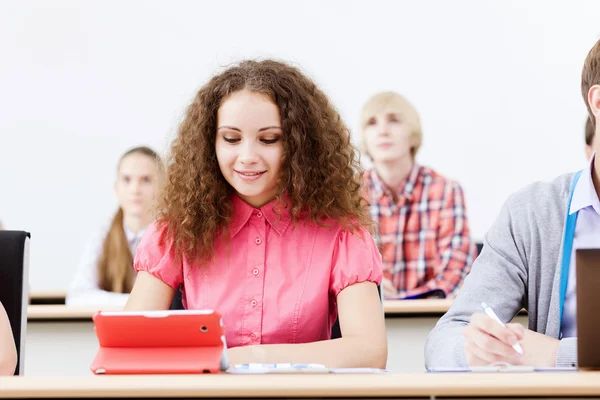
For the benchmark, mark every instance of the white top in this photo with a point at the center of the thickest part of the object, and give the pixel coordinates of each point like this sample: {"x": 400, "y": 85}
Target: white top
{"x": 84, "y": 290}
{"x": 587, "y": 235}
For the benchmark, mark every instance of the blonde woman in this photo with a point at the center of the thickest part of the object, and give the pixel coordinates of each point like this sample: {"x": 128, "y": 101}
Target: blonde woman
{"x": 105, "y": 275}
{"x": 420, "y": 215}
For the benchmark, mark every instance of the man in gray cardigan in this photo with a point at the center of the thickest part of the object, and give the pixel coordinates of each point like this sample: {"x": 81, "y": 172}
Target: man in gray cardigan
{"x": 520, "y": 267}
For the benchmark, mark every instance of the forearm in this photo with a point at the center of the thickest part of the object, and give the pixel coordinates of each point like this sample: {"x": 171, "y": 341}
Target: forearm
{"x": 8, "y": 350}
{"x": 8, "y": 358}
{"x": 347, "y": 352}
{"x": 444, "y": 347}
{"x": 448, "y": 280}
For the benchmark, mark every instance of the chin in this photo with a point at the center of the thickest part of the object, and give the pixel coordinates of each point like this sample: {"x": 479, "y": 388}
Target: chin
{"x": 249, "y": 194}
{"x": 136, "y": 211}
{"x": 385, "y": 159}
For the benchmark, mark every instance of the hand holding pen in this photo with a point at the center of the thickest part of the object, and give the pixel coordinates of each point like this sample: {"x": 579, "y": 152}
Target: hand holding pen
{"x": 488, "y": 340}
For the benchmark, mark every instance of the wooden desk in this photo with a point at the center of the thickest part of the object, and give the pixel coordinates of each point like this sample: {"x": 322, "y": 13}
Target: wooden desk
{"x": 556, "y": 385}
{"x": 437, "y": 307}
{"x": 392, "y": 308}
{"x": 58, "y": 332}
{"x": 47, "y": 297}
{"x": 48, "y": 294}
{"x": 57, "y": 312}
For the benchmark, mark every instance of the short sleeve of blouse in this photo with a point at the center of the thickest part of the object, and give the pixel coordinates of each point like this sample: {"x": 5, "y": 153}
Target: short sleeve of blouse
{"x": 155, "y": 255}
{"x": 356, "y": 259}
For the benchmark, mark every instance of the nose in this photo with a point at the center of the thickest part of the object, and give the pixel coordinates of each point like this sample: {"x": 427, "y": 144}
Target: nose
{"x": 382, "y": 128}
{"x": 136, "y": 186}
{"x": 248, "y": 154}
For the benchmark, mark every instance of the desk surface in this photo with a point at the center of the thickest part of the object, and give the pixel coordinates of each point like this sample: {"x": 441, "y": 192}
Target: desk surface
{"x": 62, "y": 312}
{"x": 570, "y": 384}
{"x": 48, "y": 294}
{"x": 392, "y": 308}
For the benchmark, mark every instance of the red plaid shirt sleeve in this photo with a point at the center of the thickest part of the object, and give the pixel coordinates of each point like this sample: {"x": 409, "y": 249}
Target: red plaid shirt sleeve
{"x": 455, "y": 247}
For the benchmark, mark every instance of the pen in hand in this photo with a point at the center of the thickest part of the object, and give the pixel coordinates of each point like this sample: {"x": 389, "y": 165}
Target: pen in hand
{"x": 493, "y": 315}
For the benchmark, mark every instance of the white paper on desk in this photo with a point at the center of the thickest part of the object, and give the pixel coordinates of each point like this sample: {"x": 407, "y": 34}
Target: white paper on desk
{"x": 358, "y": 371}
{"x": 504, "y": 368}
{"x": 490, "y": 368}
{"x": 267, "y": 370}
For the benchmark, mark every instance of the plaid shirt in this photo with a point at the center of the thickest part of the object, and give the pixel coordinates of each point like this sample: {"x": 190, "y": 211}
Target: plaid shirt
{"x": 424, "y": 237}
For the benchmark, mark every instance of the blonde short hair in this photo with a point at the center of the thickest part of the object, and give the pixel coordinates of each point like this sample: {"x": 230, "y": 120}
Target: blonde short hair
{"x": 392, "y": 102}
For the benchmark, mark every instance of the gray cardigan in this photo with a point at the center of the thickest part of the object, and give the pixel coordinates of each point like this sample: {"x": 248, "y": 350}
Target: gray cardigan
{"x": 519, "y": 267}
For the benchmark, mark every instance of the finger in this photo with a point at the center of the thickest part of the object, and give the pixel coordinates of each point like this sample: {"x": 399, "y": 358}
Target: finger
{"x": 517, "y": 329}
{"x": 491, "y": 344}
{"x": 486, "y": 324}
{"x": 481, "y": 356}
{"x": 472, "y": 359}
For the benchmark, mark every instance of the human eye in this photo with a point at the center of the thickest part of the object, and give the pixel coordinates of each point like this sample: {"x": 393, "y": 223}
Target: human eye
{"x": 269, "y": 141}
{"x": 393, "y": 118}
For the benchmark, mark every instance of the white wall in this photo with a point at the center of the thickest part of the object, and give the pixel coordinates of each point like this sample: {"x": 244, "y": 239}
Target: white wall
{"x": 496, "y": 84}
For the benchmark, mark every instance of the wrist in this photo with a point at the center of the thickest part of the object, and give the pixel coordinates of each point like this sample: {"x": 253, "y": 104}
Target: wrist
{"x": 551, "y": 362}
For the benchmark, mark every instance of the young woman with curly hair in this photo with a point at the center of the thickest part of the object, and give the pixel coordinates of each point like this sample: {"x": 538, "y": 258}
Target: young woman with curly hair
{"x": 263, "y": 220}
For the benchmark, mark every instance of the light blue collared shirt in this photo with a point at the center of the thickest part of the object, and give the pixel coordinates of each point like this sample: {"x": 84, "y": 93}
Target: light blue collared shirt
{"x": 587, "y": 235}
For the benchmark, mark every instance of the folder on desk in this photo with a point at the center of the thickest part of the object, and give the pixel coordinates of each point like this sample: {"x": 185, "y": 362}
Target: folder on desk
{"x": 430, "y": 294}
{"x": 160, "y": 342}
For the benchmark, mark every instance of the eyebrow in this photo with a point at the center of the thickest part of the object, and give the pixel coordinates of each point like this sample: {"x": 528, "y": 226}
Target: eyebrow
{"x": 233, "y": 128}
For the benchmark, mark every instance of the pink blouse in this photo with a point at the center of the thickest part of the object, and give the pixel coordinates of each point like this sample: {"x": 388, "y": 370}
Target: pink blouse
{"x": 272, "y": 282}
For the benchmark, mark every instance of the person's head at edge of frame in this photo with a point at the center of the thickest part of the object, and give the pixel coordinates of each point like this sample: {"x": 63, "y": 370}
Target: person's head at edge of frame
{"x": 590, "y": 90}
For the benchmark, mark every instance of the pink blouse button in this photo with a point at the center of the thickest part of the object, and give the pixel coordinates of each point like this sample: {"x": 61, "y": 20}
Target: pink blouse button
{"x": 254, "y": 303}
{"x": 253, "y": 336}
{"x": 255, "y": 271}
{"x": 259, "y": 214}
{"x": 258, "y": 240}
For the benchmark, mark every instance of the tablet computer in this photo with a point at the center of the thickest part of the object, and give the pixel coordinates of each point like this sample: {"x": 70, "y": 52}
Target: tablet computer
{"x": 160, "y": 342}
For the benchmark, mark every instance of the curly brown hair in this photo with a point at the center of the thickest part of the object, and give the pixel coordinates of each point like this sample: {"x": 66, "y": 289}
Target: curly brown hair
{"x": 321, "y": 173}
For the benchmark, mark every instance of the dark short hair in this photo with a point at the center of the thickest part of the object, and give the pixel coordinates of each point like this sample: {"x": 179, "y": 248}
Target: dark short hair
{"x": 589, "y": 131}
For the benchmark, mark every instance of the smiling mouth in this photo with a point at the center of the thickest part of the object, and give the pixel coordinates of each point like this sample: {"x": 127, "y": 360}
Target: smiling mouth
{"x": 250, "y": 173}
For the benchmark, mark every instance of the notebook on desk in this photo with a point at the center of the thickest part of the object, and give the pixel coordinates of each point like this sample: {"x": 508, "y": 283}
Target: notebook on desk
{"x": 160, "y": 342}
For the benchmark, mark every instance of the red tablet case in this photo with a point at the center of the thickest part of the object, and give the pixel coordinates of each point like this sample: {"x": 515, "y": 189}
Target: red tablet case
{"x": 159, "y": 342}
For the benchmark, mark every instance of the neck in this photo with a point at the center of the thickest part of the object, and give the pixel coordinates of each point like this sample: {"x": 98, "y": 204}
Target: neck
{"x": 394, "y": 173}
{"x": 136, "y": 223}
